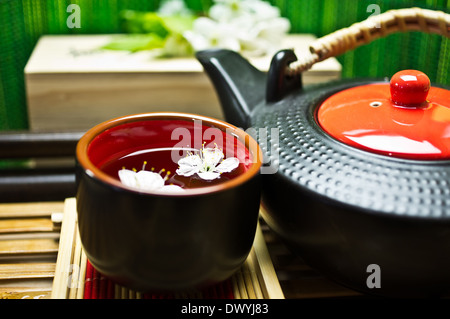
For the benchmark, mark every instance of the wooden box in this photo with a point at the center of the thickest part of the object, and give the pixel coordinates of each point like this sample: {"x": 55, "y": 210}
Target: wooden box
{"x": 71, "y": 84}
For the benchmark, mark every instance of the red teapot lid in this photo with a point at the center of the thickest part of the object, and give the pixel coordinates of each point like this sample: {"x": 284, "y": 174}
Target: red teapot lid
{"x": 406, "y": 118}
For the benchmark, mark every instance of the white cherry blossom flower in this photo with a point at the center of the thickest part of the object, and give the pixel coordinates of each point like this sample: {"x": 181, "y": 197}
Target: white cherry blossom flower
{"x": 227, "y": 10}
{"x": 252, "y": 27}
{"x": 208, "y": 164}
{"x": 146, "y": 181}
{"x": 207, "y": 33}
{"x": 173, "y": 7}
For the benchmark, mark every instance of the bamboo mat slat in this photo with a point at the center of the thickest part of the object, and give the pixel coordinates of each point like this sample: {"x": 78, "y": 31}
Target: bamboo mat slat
{"x": 27, "y": 271}
{"x": 25, "y": 293}
{"x": 28, "y": 210}
{"x": 28, "y": 249}
{"x": 65, "y": 262}
{"x": 17, "y": 248}
{"x": 14, "y": 226}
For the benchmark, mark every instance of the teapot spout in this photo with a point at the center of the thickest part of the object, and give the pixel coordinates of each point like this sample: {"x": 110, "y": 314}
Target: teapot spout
{"x": 239, "y": 85}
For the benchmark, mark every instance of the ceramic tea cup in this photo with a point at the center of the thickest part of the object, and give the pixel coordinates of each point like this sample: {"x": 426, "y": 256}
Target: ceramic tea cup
{"x": 167, "y": 201}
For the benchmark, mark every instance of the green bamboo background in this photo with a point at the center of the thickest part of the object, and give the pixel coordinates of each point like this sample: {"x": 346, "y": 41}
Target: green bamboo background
{"x": 23, "y": 21}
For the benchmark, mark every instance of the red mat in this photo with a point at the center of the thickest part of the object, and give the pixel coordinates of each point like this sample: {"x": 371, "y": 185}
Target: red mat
{"x": 97, "y": 286}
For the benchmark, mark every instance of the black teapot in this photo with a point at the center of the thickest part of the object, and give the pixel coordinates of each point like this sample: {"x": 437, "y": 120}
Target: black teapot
{"x": 358, "y": 171}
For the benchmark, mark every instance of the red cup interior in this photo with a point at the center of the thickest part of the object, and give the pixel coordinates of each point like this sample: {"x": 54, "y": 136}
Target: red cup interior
{"x": 111, "y": 141}
{"x": 128, "y": 138}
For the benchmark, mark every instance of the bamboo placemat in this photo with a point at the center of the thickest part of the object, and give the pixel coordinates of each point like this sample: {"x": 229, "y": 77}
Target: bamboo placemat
{"x": 28, "y": 249}
{"x": 29, "y": 238}
{"x": 75, "y": 278}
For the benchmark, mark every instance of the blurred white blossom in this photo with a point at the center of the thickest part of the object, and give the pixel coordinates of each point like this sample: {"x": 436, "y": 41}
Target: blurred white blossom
{"x": 252, "y": 27}
{"x": 207, "y": 33}
{"x": 173, "y": 7}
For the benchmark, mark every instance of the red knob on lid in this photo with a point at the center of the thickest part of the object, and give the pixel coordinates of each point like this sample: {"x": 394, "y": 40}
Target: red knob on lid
{"x": 409, "y": 88}
{"x": 406, "y": 118}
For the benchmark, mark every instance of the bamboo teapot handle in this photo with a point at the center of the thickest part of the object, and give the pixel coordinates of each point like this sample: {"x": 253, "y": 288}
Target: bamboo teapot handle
{"x": 378, "y": 26}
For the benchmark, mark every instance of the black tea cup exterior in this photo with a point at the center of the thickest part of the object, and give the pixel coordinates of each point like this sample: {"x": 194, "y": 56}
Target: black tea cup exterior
{"x": 153, "y": 241}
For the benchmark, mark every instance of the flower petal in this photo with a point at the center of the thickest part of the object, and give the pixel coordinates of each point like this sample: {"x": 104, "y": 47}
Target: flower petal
{"x": 172, "y": 189}
{"x": 149, "y": 181}
{"x": 205, "y": 26}
{"x": 230, "y": 43}
{"x": 261, "y": 9}
{"x": 197, "y": 41}
{"x": 274, "y": 29}
{"x": 189, "y": 165}
{"x": 227, "y": 165}
{"x": 224, "y": 11}
{"x": 211, "y": 156}
{"x": 191, "y": 160}
{"x": 208, "y": 175}
{"x": 128, "y": 177}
